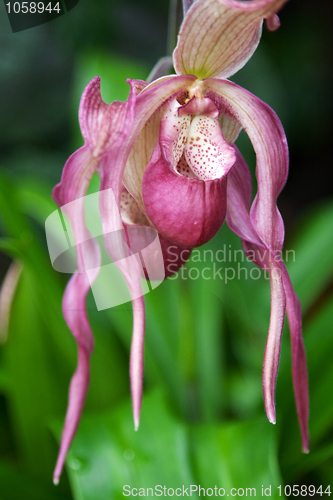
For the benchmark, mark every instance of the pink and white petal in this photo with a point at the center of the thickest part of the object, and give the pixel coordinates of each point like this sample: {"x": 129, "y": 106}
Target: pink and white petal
{"x": 183, "y": 169}
{"x": 174, "y": 130}
{"x": 69, "y": 194}
{"x": 140, "y": 155}
{"x": 238, "y": 219}
{"x": 105, "y": 125}
{"x": 130, "y": 211}
{"x": 218, "y": 37}
{"x": 148, "y": 103}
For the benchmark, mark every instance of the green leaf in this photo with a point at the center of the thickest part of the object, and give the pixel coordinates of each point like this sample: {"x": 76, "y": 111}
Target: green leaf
{"x": 311, "y": 256}
{"x": 15, "y": 484}
{"x": 107, "y": 453}
{"x": 237, "y": 455}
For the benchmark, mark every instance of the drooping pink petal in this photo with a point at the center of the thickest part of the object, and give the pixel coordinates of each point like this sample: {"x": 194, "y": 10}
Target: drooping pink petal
{"x": 131, "y": 268}
{"x": 112, "y": 170}
{"x": 238, "y": 218}
{"x": 299, "y": 367}
{"x": 269, "y": 142}
{"x": 102, "y": 125}
{"x": 218, "y": 37}
{"x": 77, "y": 321}
{"x": 69, "y": 196}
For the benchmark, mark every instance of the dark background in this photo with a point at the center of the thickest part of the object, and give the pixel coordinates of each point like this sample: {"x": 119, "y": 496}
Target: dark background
{"x": 292, "y": 71}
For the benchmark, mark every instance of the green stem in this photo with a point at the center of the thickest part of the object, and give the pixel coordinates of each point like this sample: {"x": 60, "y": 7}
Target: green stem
{"x": 173, "y": 25}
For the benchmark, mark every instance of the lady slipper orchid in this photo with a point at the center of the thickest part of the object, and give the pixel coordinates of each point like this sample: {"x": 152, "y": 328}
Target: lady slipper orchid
{"x": 168, "y": 156}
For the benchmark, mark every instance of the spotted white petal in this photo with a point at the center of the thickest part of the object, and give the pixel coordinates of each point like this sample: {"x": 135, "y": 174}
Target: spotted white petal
{"x": 183, "y": 169}
{"x": 174, "y": 131}
{"x": 207, "y": 152}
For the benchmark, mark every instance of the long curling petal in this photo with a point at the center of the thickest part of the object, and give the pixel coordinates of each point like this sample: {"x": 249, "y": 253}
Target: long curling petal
{"x": 113, "y": 166}
{"x": 102, "y": 125}
{"x": 145, "y": 103}
{"x": 131, "y": 268}
{"x": 299, "y": 367}
{"x": 218, "y": 37}
{"x": 69, "y": 196}
{"x": 75, "y": 296}
{"x": 137, "y": 357}
{"x": 238, "y": 219}
{"x": 269, "y": 142}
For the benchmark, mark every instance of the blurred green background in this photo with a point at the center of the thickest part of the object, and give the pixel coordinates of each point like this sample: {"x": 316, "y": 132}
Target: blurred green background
{"x": 203, "y": 418}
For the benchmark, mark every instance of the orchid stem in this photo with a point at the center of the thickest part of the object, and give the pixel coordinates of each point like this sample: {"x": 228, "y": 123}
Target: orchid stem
{"x": 161, "y": 68}
{"x": 173, "y": 25}
{"x": 174, "y": 21}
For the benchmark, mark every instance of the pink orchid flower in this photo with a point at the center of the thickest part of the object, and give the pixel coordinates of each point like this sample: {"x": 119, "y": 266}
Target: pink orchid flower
{"x": 168, "y": 156}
